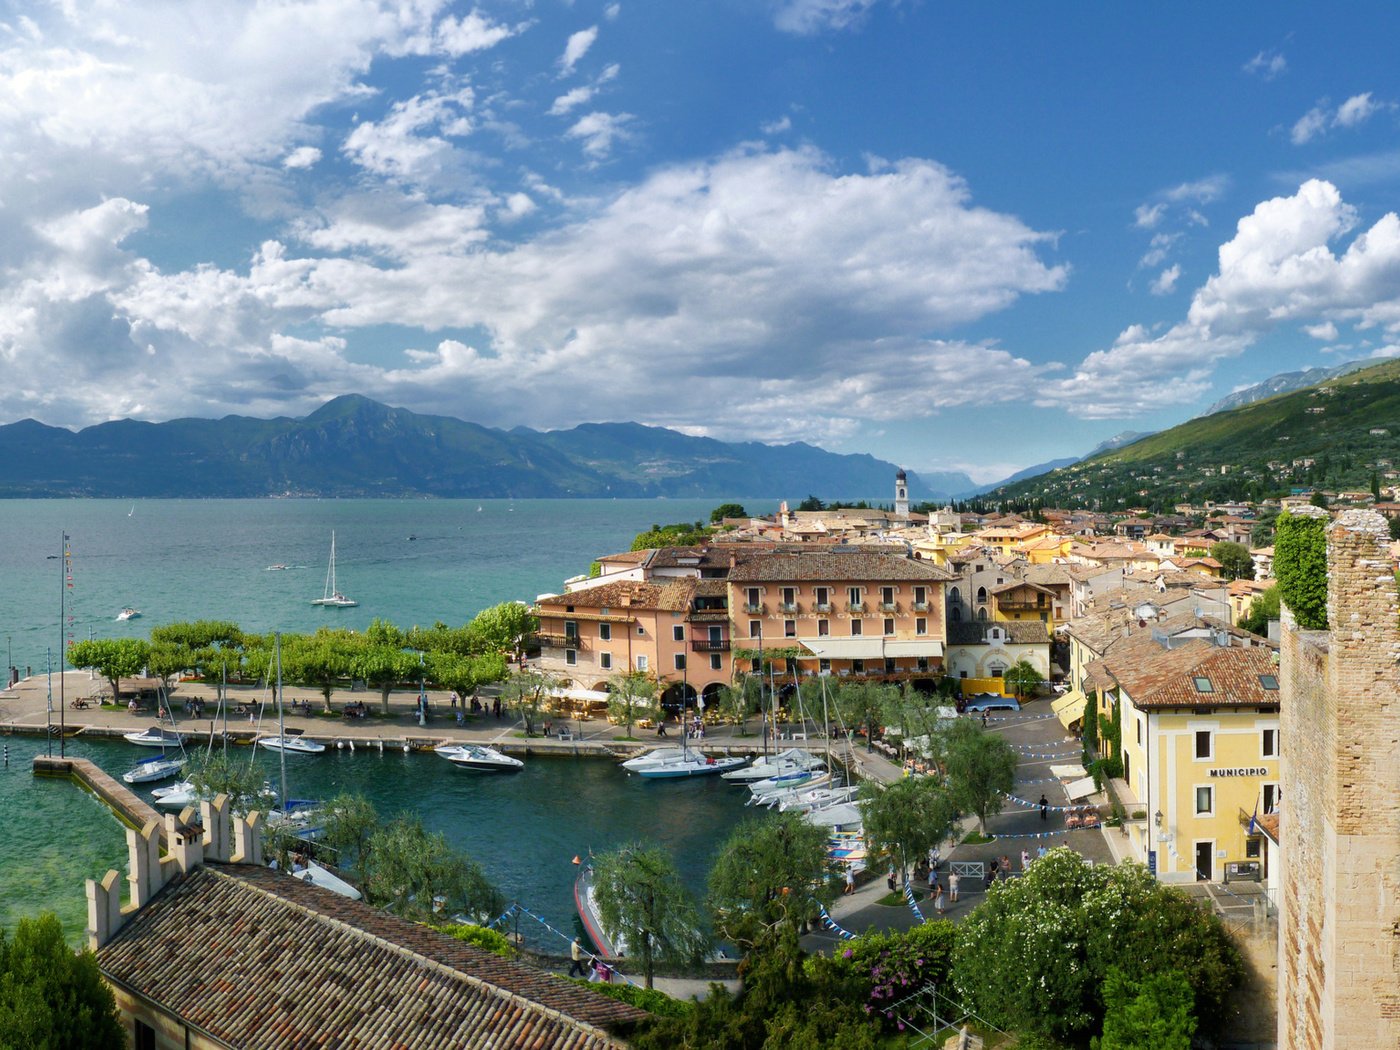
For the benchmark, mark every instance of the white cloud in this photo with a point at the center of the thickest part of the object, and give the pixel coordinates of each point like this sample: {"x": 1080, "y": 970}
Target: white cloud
{"x": 1165, "y": 282}
{"x": 612, "y": 11}
{"x": 1200, "y": 191}
{"x": 1310, "y": 125}
{"x": 412, "y": 141}
{"x": 1357, "y": 110}
{"x": 1160, "y": 247}
{"x": 1327, "y": 331}
{"x": 1266, "y": 64}
{"x": 599, "y": 132}
{"x": 302, "y": 157}
{"x": 572, "y": 99}
{"x": 1352, "y": 113}
{"x": 776, "y": 127}
{"x": 807, "y": 17}
{"x": 576, "y": 48}
{"x": 471, "y": 32}
{"x": 1148, "y": 216}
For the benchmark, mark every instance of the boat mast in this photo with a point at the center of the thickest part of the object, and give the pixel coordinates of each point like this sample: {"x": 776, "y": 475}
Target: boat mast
{"x": 64, "y": 570}
{"x": 281, "y": 728}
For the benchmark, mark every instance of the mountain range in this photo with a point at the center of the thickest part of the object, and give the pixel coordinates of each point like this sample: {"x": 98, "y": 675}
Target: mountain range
{"x": 355, "y": 447}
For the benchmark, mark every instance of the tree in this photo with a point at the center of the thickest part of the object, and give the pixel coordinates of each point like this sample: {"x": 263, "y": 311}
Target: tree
{"x": 1263, "y": 609}
{"x": 737, "y": 704}
{"x": 769, "y": 874}
{"x": 1300, "y": 563}
{"x": 466, "y": 674}
{"x": 1394, "y": 523}
{"x": 414, "y": 873}
{"x": 727, "y": 510}
{"x": 50, "y": 997}
{"x": 811, "y": 503}
{"x": 644, "y": 906}
{"x": 112, "y": 658}
{"x": 1036, "y": 954}
{"x": 678, "y": 535}
{"x": 981, "y": 767}
{"x": 1022, "y": 677}
{"x": 1154, "y": 1013}
{"x": 1234, "y": 560}
{"x": 349, "y": 825}
{"x": 907, "y": 818}
{"x": 381, "y": 660}
{"x": 530, "y": 691}
{"x": 214, "y": 774}
{"x": 863, "y": 705}
{"x": 321, "y": 661}
{"x": 501, "y": 628}
{"x": 631, "y": 698}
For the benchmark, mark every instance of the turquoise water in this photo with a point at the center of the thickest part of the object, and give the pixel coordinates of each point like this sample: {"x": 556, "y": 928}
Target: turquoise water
{"x": 185, "y": 560}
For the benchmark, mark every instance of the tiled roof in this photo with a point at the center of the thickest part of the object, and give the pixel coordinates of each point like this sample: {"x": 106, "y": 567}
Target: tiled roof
{"x": 857, "y": 565}
{"x": 974, "y": 632}
{"x": 671, "y": 594}
{"x": 627, "y": 557}
{"x": 1155, "y": 676}
{"x": 1011, "y": 585}
{"x": 1047, "y": 575}
{"x": 257, "y": 958}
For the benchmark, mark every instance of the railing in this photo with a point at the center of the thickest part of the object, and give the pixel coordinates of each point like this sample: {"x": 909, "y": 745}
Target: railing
{"x": 709, "y": 645}
{"x": 889, "y": 606}
{"x": 754, "y": 607}
{"x": 919, "y": 606}
{"x": 788, "y": 607}
{"x": 855, "y": 607}
{"x": 557, "y": 641}
{"x": 823, "y": 607}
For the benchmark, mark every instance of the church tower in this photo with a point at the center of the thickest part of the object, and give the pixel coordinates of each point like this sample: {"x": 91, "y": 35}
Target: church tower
{"x": 901, "y": 494}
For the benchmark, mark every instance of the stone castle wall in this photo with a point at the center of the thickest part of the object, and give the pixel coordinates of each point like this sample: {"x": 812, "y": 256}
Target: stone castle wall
{"x": 1339, "y": 922}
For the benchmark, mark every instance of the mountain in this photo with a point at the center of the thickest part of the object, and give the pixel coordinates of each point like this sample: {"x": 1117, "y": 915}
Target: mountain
{"x": 1283, "y": 383}
{"x": 353, "y": 446}
{"x": 1340, "y": 434}
{"x": 1126, "y": 437}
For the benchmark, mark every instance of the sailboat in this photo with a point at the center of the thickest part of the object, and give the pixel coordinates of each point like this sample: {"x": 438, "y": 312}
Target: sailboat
{"x": 332, "y": 596}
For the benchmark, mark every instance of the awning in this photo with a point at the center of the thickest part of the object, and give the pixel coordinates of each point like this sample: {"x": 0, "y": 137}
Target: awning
{"x": 1069, "y": 708}
{"x": 582, "y": 696}
{"x": 1078, "y": 789}
{"x": 828, "y": 648}
{"x": 1070, "y": 771}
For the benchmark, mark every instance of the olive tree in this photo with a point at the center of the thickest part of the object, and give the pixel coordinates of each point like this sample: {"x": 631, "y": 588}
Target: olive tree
{"x": 632, "y": 697}
{"x": 980, "y": 766}
{"x": 415, "y": 873}
{"x": 907, "y": 818}
{"x": 530, "y": 692}
{"x": 644, "y": 906}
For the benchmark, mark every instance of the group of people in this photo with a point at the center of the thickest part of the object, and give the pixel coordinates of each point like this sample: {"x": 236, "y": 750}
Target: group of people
{"x": 582, "y": 964}
{"x": 357, "y": 709}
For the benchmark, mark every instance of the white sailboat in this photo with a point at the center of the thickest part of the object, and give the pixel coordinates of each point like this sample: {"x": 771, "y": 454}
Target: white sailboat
{"x": 332, "y": 596}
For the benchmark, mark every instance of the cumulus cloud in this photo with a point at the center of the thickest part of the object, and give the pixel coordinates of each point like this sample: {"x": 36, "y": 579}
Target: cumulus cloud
{"x": 1352, "y": 113}
{"x": 1267, "y": 65}
{"x": 777, "y": 127}
{"x": 302, "y": 157}
{"x": 1165, "y": 282}
{"x": 1327, "y": 331}
{"x": 1148, "y": 216}
{"x": 599, "y": 132}
{"x": 576, "y": 48}
{"x": 807, "y": 17}
{"x": 412, "y": 141}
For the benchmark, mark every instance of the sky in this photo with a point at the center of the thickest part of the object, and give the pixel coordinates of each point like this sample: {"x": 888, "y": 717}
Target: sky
{"x": 956, "y": 236}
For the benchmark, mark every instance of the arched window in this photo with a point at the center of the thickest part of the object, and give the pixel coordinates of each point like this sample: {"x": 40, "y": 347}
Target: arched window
{"x": 956, "y": 615}
{"x": 955, "y": 596}
{"x": 981, "y": 614}
{"x": 981, "y": 595}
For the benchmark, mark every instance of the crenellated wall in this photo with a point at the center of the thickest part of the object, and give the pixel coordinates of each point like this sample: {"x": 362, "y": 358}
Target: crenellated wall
{"x": 1339, "y": 910}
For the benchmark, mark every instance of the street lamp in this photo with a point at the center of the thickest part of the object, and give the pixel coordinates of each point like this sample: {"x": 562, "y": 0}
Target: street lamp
{"x": 1157, "y": 818}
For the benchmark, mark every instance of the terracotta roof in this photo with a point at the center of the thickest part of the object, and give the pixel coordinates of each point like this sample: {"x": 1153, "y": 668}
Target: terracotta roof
{"x": 256, "y": 958}
{"x": 1013, "y": 584}
{"x": 665, "y": 593}
{"x": 859, "y": 564}
{"x": 974, "y": 632}
{"x": 627, "y": 557}
{"x": 1047, "y": 575}
{"x": 1155, "y": 676}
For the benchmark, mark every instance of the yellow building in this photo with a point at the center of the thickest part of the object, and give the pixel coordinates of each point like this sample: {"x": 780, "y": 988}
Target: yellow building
{"x": 1197, "y": 722}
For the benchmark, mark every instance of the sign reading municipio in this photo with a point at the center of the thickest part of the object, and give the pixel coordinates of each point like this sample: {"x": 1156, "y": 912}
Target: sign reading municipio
{"x": 1240, "y": 771}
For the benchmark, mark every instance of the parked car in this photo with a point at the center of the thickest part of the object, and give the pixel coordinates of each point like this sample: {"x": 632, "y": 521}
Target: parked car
{"x": 991, "y": 702}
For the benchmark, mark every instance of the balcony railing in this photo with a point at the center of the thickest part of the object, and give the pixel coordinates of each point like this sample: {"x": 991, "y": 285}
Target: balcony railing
{"x": 822, "y": 607}
{"x": 709, "y": 645}
{"x": 754, "y": 608}
{"x": 920, "y": 606}
{"x": 889, "y": 606}
{"x": 557, "y": 641}
{"x": 855, "y": 607}
{"x": 788, "y": 607}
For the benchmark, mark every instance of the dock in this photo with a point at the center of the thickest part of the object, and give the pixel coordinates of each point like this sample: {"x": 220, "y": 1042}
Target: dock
{"x": 131, "y": 810}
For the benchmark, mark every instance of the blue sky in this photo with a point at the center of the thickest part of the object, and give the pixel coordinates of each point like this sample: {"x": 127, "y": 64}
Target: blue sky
{"x": 970, "y": 236}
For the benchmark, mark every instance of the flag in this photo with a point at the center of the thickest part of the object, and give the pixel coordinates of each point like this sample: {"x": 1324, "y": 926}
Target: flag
{"x": 1254, "y": 820}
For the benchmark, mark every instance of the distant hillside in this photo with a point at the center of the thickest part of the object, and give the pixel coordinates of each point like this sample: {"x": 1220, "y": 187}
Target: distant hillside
{"x": 1283, "y": 383}
{"x": 1320, "y": 436}
{"x": 353, "y": 446}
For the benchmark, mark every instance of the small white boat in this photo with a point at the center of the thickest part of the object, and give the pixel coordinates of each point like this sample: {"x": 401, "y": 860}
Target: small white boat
{"x": 332, "y": 598}
{"x": 153, "y": 769}
{"x": 660, "y": 754}
{"x": 479, "y": 757}
{"x": 319, "y": 876}
{"x": 790, "y": 761}
{"x": 804, "y": 801}
{"x": 155, "y": 736}
{"x": 843, "y": 815}
{"x": 176, "y": 796}
{"x": 128, "y": 614}
{"x": 279, "y": 567}
{"x": 764, "y": 790}
{"x": 685, "y": 764}
{"x": 294, "y": 745}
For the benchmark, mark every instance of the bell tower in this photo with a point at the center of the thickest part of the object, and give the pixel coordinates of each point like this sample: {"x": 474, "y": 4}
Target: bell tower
{"x": 901, "y": 494}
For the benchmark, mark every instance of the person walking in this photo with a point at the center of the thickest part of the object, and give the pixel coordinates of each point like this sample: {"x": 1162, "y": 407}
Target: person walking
{"x": 953, "y": 886}
{"x": 889, "y": 879}
{"x": 576, "y": 968}
{"x": 1044, "y": 807}
{"x": 850, "y": 879}
{"x": 992, "y": 873}
{"x": 1005, "y": 867}
{"x": 1025, "y": 860}
{"x": 938, "y": 903}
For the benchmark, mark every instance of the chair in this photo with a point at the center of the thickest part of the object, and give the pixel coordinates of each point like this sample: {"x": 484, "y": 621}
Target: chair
{"x": 1072, "y": 819}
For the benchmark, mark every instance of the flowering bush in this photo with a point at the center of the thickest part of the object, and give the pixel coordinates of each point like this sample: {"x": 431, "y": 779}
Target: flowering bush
{"x": 880, "y": 969}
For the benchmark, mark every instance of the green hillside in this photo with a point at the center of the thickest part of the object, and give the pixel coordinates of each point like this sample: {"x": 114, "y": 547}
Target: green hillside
{"x": 1320, "y": 437}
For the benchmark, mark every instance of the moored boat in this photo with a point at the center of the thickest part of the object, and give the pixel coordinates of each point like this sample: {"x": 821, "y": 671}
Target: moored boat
{"x": 153, "y": 769}
{"x": 178, "y": 795}
{"x": 479, "y": 757}
{"x": 154, "y": 736}
{"x": 296, "y": 745}
{"x": 762, "y": 790}
{"x": 804, "y": 801}
{"x": 685, "y": 764}
{"x": 790, "y": 761}
{"x": 586, "y": 902}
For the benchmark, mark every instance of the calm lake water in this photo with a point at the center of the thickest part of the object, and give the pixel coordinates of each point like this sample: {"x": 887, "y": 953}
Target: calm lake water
{"x": 186, "y": 560}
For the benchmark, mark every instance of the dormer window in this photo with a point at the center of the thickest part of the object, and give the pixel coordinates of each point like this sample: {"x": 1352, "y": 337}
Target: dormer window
{"x": 1203, "y": 684}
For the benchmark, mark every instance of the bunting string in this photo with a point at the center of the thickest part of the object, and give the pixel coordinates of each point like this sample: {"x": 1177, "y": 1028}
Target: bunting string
{"x": 832, "y": 925}
{"x": 909, "y": 899}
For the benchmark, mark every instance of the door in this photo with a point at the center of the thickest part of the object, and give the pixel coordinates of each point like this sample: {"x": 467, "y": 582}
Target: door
{"x": 1204, "y": 850}
{"x": 716, "y": 637}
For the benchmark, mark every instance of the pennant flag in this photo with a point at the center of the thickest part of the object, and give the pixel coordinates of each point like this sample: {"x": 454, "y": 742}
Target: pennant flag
{"x": 830, "y": 924}
{"x": 909, "y": 899}
{"x": 576, "y": 860}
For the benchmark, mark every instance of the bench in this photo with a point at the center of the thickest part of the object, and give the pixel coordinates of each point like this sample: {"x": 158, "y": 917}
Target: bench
{"x": 565, "y": 734}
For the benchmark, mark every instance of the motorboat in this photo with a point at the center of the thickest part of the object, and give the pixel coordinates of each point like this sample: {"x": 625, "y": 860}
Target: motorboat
{"x": 586, "y": 901}
{"x": 332, "y": 598}
{"x": 279, "y": 567}
{"x": 178, "y": 795}
{"x": 842, "y": 815}
{"x": 479, "y": 757}
{"x": 804, "y": 801}
{"x": 296, "y": 745}
{"x": 762, "y": 790}
{"x": 128, "y": 614}
{"x": 792, "y": 760}
{"x": 153, "y": 769}
{"x": 660, "y": 754}
{"x": 686, "y": 764}
{"x": 318, "y": 876}
{"x": 154, "y": 736}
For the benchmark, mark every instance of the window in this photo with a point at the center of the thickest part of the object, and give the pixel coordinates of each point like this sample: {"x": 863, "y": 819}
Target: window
{"x": 1269, "y": 682}
{"x": 889, "y": 665}
{"x": 956, "y": 616}
{"x": 920, "y": 595}
{"x": 1268, "y": 746}
{"x": 982, "y": 614}
{"x": 755, "y": 629}
{"x": 996, "y": 670}
{"x": 716, "y": 662}
{"x": 824, "y": 666}
{"x": 605, "y": 661}
{"x": 680, "y": 661}
{"x": 677, "y": 633}
{"x": 789, "y": 596}
{"x": 571, "y": 631}
{"x": 853, "y": 593}
{"x": 1138, "y": 722}
{"x": 1204, "y": 744}
{"x": 605, "y": 632}
{"x": 822, "y": 596}
{"x": 1251, "y": 847}
{"x": 1205, "y": 801}
{"x": 753, "y": 597}
{"x": 1203, "y": 684}
{"x": 145, "y": 1037}
{"x": 789, "y": 628}
{"x": 955, "y": 596}
{"x": 887, "y": 595}
{"x": 962, "y": 674}
{"x": 920, "y": 625}
{"x": 889, "y": 625}
{"x": 923, "y": 663}
{"x": 855, "y": 628}
{"x": 755, "y": 665}
{"x": 981, "y": 595}
{"x": 823, "y": 628}
{"x": 790, "y": 666}
{"x": 1271, "y": 794}
{"x": 571, "y": 656}
{"x": 643, "y": 662}
{"x": 857, "y": 667}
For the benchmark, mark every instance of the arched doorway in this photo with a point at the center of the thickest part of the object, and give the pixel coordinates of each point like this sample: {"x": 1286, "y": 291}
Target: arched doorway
{"x": 677, "y": 695}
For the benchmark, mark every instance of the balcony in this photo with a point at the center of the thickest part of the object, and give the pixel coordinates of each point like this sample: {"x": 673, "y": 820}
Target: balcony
{"x": 1005, "y": 606}
{"x": 709, "y": 645}
{"x": 789, "y": 607}
{"x": 855, "y": 607}
{"x": 822, "y": 607}
{"x": 755, "y": 608}
{"x": 889, "y": 607}
{"x": 557, "y": 641}
{"x": 919, "y": 606}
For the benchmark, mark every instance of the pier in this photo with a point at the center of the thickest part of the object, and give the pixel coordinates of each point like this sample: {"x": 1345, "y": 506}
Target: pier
{"x": 131, "y": 810}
